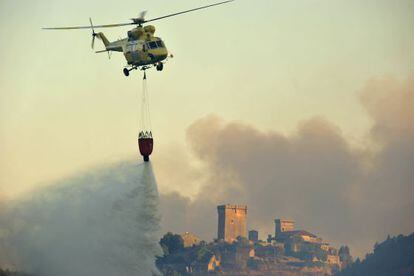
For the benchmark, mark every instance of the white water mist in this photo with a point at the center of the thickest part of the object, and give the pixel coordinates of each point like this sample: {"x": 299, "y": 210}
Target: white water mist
{"x": 104, "y": 222}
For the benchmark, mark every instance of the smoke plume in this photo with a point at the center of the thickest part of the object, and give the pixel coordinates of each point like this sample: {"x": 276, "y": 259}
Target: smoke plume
{"x": 346, "y": 195}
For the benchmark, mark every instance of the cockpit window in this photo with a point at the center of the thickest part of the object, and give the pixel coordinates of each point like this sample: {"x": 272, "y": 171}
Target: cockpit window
{"x": 152, "y": 45}
{"x": 160, "y": 44}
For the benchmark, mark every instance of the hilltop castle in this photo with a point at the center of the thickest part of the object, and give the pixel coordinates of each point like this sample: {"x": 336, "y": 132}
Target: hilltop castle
{"x": 232, "y": 221}
{"x": 288, "y": 250}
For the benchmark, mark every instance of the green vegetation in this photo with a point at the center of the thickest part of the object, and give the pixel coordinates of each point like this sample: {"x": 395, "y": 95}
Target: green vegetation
{"x": 242, "y": 257}
{"x": 345, "y": 256}
{"x": 171, "y": 243}
{"x": 203, "y": 253}
{"x": 394, "y": 256}
{"x": 12, "y": 273}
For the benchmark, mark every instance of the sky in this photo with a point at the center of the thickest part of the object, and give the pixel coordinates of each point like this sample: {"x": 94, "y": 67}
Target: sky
{"x": 306, "y": 77}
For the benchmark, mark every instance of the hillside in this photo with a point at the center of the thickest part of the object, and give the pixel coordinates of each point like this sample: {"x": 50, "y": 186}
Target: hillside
{"x": 244, "y": 257}
{"x": 12, "y": 273}
{"x": 394, "y": 256}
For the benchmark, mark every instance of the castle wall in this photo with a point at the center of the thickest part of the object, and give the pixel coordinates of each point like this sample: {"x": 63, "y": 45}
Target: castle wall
{"x": 231, "y": 222}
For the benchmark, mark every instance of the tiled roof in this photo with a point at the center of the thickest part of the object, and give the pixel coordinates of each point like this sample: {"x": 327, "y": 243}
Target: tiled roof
{"x": 298, "y": 233}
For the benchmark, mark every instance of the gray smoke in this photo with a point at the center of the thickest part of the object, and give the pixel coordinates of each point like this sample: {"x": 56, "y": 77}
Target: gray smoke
{"x": 351, "y": 196}
{"x": 104, "y": 222}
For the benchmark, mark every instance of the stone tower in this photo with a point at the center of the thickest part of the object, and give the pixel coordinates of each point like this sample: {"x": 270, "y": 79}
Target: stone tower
{"x": 283, "y": 225}
{"x": 231, "y": 222}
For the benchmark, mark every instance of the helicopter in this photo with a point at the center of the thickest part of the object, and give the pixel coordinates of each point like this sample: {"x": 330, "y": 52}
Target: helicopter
{"x": 142, "y": 50}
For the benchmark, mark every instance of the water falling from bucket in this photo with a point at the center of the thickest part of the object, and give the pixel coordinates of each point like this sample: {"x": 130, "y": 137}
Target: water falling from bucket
{"x": 104, "y": 222}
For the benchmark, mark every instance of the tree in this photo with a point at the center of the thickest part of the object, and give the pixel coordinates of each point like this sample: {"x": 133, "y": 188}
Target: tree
{"x": 171, "y": 243}
{"x": 345, "y": 256}
{"x": 394, "y": 256}
{"x": 203, "y": 253}
{"x": 376, "y": 246}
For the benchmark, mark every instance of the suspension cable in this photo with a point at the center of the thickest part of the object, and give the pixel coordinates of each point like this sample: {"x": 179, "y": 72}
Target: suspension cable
{"x": 145, "y": 111}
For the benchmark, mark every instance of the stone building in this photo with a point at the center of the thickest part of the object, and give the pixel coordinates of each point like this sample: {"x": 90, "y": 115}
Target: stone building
{"x": 333, "y": 260}
{"x": 231, "y": 222}
{"x": 283, "y": 225}
{"x": 299, "y": 236}
{"x": 190, "y": 239}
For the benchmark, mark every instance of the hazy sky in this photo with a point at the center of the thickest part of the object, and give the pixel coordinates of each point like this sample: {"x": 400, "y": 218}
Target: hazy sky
{"x": 270, "y": 64}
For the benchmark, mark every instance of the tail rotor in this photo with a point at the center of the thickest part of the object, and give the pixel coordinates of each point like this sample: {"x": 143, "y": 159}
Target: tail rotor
{"x": 93, "y": 34}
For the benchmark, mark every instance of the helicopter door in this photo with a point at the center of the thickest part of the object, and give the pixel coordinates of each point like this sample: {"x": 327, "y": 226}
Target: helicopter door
{"x": 132, "y": 49}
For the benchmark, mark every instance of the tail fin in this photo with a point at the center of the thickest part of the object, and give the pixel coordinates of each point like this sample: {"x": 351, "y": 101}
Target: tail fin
{"x": 103, "y": 38}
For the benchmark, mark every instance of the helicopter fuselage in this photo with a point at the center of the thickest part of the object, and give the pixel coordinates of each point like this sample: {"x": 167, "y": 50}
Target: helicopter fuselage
{"x": 141, "y": 48}
{"x": 145, "y": 52}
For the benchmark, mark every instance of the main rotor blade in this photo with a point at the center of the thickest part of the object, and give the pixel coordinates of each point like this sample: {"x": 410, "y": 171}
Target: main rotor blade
{"x": 178, "y": 13}
{"x": 89, "y": 27}
{"x": 134, "y": 23}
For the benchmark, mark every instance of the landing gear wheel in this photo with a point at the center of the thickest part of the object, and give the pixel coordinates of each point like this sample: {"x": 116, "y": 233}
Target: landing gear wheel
{"x": 126, "y": 72}
{"x": 160, "y": 66}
